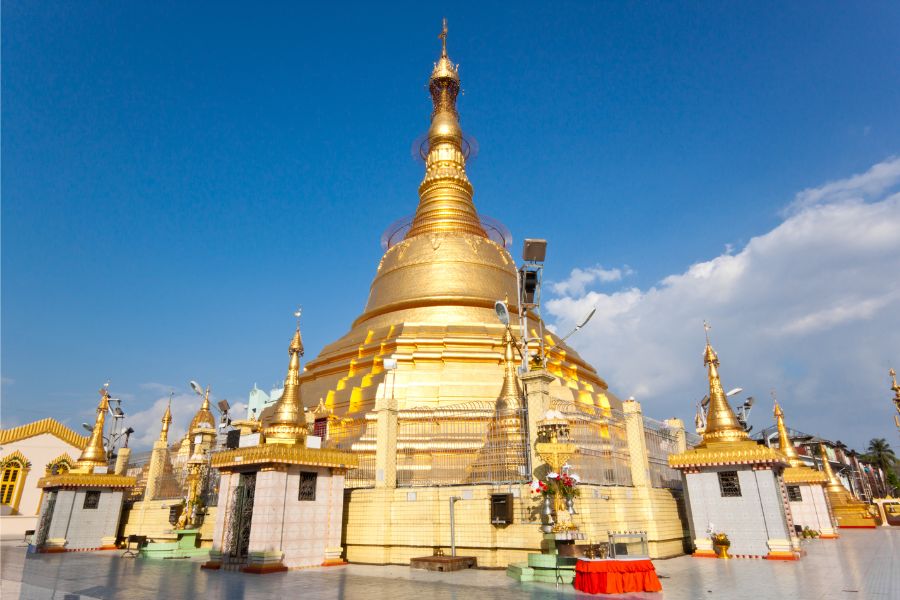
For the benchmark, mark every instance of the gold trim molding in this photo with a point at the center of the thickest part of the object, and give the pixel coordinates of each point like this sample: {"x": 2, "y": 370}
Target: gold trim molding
{"x": 69, "y": 480}
{"x": 284, "y": 454}
{"x": 48, "y": 425}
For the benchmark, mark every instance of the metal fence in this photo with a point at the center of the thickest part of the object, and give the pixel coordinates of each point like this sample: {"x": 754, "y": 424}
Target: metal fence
{"x": 359, "y": 437}
{"x": 454, "y": 445}
{"x": 599, "y": 433}
{"x": 171, "y": 484}
{"x": 661, "y": 441}
{"x": 461, "y": 444}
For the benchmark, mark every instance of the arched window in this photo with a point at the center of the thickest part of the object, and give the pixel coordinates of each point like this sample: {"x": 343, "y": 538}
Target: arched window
{"x": 13, "y": 470}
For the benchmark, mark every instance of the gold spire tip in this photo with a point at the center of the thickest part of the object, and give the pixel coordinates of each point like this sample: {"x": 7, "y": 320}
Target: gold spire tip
{"x": 443, "y": 38}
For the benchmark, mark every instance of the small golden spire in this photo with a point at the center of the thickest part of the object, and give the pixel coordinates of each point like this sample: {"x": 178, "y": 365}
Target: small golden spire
{"x": 784, "y": 441}
{"x": 721, "y": 423}
{"x": 288, "y": 425}
{"x": 510, "y": 394}
{"x": 204, "y": 418}
{"x": 834, "y": 484}
{"x": 166, "y": 421}
{"x": 94, "y": 454}
{"x": 445, "y": 194}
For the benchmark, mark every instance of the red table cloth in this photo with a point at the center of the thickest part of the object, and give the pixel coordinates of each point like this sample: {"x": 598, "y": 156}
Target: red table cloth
{"x": 616, "y": 576}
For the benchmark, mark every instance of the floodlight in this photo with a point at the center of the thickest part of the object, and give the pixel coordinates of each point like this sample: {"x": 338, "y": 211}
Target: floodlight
{"x": 502, "y": 311}
{"x": 88, "y": 427}
{"x": 223, "y": 405}
{"x": 534, "y": 250}
{"x": 735, "y": 391}
{"x": 196, "y": 387}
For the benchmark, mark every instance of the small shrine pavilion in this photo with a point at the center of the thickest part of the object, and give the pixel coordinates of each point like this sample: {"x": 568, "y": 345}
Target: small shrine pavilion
{"x": 733, "y": 485}
{"x": 280, "y": 502}
{"x": 81, "y": 508}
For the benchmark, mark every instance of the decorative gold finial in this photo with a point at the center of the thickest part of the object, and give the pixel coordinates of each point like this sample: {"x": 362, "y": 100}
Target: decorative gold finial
{"x": 834, "y": 484}
{"x": 443, "y": 37}
{"x": 784, "y": 441}
{"x": 896, "y": 390}
{"x": 166, "y": 420}
{"x": 94, "y": 454}
{"x": 721, "y": 423}
{"x": 288, "y": 425}
{"x": 445, "y": 194}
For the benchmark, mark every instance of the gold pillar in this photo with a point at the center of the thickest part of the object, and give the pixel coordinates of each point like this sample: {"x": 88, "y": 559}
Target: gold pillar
{"x": 386, "y": 441}
{"x": 537, "y": 399}
{"x": 122, "y": 461}
{"x": 637, "y": 444}
{"x": 677, "y": 427}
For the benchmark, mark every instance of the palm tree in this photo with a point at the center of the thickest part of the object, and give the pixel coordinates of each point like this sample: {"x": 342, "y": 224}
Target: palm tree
{"x": 881, "y": 454}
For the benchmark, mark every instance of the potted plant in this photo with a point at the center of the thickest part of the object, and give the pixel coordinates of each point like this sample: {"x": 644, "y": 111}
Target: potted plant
{"x": 721, "y": 543}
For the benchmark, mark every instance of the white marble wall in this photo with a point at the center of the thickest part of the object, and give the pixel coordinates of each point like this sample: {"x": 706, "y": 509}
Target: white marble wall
{"x": 85, "y": 528}
{"x": 811, "y": 511}
{"x": 301, "y": 529}
{"x": 750, "y": 520}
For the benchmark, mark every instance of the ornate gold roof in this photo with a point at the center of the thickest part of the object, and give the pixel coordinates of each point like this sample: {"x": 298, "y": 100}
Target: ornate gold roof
{"x": 288, "y": 426}
{"x": 48, "y": 425}
{"x": 70, "y": 480}
{"x": 724, "y": 442}
{"x": 94, "y": 453}
{"x": 715, "y": 454}
{"x": 283, "y": 454}
{"x": 804, "y": 474}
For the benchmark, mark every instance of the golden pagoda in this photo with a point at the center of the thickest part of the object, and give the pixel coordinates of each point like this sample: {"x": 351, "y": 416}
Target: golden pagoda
{"x": 431, "y": 309}
{"x": 850, "y": 512}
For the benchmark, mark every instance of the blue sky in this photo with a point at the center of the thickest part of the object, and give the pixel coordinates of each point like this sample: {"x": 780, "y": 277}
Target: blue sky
{"x": 177, "y": 178}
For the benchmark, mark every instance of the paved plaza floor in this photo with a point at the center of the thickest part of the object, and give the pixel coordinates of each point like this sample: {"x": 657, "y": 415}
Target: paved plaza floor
{"x": 862, "y": 564}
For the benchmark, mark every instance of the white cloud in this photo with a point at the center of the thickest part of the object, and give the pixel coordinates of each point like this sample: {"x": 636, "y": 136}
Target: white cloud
{"x": 579, "y": 279}
{"x": 811, "y": 308}
{"x": 147, "y": 422}
{"x": 870, "y": 184}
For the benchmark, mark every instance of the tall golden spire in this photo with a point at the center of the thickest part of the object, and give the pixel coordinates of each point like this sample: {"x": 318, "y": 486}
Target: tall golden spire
{"x": 510, "y": 394}
{"x": 166, "y": 421}
{"x": 721, "y": 424}
{"x": 94, "y": 454}
{"x": 288, "y": 425}
{"x": 445, "y": 195}
{"x": 784, "y": 441}
{"x": 834, "y": 484}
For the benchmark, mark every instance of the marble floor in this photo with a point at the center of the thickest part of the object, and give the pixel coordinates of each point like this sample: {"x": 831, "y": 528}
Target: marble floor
{"x": 862, "y": 564}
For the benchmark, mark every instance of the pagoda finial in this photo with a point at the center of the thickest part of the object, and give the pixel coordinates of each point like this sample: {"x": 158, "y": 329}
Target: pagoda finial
{"x": 94, "y": 454}
{"x": 445, "y": 194}
{"x": 287, "y": 425}
{"x": 784, "y": 441}
{"x": 510, "y": 394}
{"x": 834, "y": 484}
{"x": 166, "y": 420}
{"x": 721, "y": 423}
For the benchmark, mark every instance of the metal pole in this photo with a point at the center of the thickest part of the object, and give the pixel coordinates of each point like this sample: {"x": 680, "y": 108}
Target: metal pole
{"x": 453, "y": 500}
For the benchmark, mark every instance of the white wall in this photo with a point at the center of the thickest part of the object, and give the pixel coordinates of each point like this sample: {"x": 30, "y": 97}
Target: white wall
{"x": 85, "y": 528}
{"x": 39, "y": 450}
{"x": 750, "y": 520}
